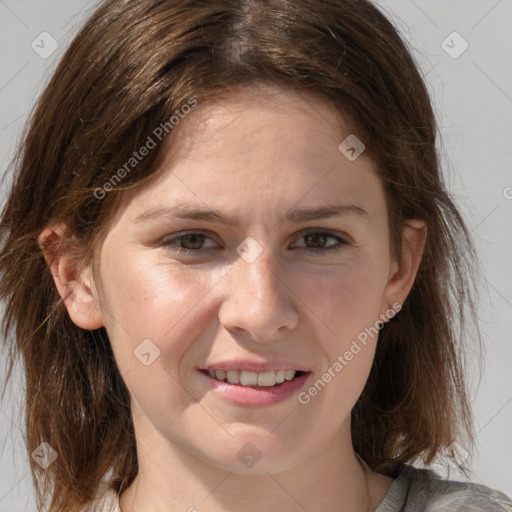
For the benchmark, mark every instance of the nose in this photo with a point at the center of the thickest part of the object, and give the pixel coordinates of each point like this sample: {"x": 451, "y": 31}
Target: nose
{"x": 259, "y": 304}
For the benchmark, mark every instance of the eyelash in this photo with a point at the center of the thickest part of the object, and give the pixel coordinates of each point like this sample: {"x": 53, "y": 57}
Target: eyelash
{"x": 171, "y": 241}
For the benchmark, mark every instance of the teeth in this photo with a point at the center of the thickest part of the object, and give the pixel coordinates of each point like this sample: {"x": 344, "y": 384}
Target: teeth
{"x": 289, "y": 374}
{"x": 267, "y": 378}
{"x": 233, "y": 376}
{"x": 249, "y": 378}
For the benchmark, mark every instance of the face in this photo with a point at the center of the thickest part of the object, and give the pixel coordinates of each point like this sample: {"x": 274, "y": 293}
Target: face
{"x": 274, "y": 288}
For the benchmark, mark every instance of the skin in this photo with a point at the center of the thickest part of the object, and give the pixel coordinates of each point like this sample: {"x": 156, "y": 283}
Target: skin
{"x": 255, "y": 156}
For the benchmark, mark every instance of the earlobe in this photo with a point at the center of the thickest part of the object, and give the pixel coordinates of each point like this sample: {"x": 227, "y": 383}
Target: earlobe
{"x": 75, "y": 286}
{"x": 402, "y": 278}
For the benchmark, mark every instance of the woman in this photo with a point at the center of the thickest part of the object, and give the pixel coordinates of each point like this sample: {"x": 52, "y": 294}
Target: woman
{"x": 243, "y": 283}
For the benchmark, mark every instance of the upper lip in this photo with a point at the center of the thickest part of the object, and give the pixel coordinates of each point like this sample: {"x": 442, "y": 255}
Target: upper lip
{"x": 254, "y": 366}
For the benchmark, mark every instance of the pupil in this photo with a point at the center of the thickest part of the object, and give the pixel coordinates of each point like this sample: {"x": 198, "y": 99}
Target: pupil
{"x": 315, "y": 237}
{"x": 198, "y": 239}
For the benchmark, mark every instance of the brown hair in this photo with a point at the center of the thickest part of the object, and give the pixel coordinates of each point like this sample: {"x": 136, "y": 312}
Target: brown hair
{"x": 133, "y": 64}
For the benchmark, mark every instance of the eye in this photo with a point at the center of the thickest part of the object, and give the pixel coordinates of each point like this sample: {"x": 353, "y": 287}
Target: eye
{"x": 320, "y": 237}
{"x": 187, "y": 243}
{"x": 192, "y": 242}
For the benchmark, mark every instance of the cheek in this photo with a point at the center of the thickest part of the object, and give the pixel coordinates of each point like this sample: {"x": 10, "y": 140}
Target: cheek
{"x": 347, "y": 304}
{"x": 149, "y": 299}
{"x": 156, "y": 302}
{"x": 345, "y": 299}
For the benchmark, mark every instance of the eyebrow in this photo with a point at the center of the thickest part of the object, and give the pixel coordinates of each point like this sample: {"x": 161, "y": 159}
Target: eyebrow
{"x": 294, "y": 216}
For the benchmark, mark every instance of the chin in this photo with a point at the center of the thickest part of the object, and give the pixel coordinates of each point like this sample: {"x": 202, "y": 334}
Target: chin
{"x": 253, "y": 455}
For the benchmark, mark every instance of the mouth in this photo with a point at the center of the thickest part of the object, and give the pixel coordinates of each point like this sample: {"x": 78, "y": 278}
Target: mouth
{"x": 246, "y": 378}
{"x": 248, "y": 388}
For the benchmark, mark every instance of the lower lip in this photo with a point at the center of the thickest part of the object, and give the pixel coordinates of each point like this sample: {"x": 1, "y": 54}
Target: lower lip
{"x": 256, "y": 395}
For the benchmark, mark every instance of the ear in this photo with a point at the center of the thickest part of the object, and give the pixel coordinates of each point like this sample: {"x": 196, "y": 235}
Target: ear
{"x": 76, "y": 286}
{"x": 402, "y": 278}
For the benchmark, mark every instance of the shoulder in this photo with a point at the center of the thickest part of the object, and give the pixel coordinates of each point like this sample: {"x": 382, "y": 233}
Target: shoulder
{"x": 431, "y": 493}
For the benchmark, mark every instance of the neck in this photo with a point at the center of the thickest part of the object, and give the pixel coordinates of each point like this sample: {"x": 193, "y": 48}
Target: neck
{"x": 170, "y": 478}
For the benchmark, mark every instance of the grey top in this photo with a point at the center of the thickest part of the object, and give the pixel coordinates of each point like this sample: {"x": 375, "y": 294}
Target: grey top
{"x": 422, "y": 490}
{"x": 414, "y": 490}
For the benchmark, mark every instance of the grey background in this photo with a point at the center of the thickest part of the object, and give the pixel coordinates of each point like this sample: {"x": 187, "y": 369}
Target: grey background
{"x": 473, "y": 100}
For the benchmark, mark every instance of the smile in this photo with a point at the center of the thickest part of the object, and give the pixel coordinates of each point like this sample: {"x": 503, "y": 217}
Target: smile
{"x": 250, "y": 378}
{"x": 254, "y": 389}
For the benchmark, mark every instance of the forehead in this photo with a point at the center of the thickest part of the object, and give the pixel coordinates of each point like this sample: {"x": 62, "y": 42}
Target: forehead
{"x": 260, "y": 150}
{"x": 299, "y": 124}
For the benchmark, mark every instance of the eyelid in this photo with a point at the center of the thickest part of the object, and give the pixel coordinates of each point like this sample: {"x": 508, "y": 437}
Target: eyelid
{"x": 176, "y": 236}
{"x": 328, "y": 232}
